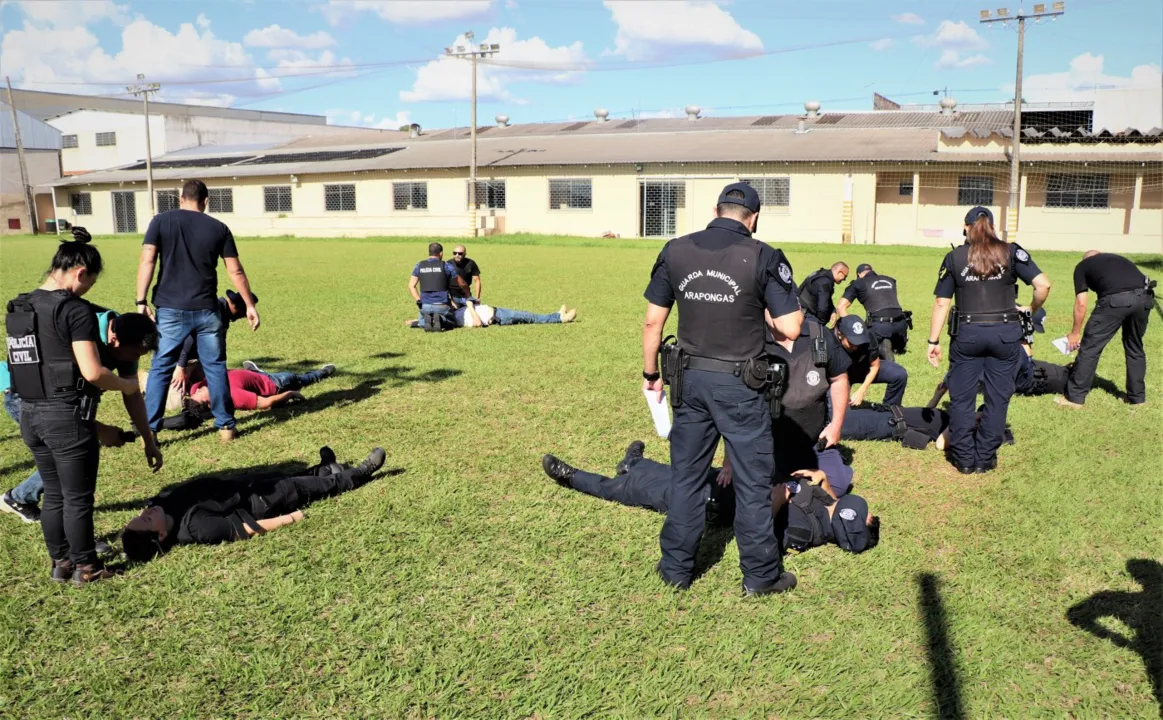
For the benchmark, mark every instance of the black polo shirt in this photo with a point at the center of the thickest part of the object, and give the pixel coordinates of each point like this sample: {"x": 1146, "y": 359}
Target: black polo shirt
{"x": 467, "y": 271}
{"x": 189, "y": 244}
{"x": 1107, "y": 274}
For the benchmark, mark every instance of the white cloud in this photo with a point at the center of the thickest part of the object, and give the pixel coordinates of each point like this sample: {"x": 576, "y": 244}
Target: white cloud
{"x": 909, "y": 19}
{"x": 407, "y": 12}
{"x": 532, "y": 60}
{"x": 202, "y": 21}
{"x": 952, "y": 60}
{"x": 1084, "y": 77}
{"x": 953, "y": 36}
{"x": 881, "y": 44}
{"x": 276, "y": 36}
{"x": 67, "y": 13}
{"x": 357, "y": 118}
{"x": 648, "y": 30}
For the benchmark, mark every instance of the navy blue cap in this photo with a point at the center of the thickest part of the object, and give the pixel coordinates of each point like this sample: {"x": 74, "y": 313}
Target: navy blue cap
{"x": 972, "y": 215}
{"x": 862, "y": 267}
{"x": 854, "y": 330}
{"x": 750, "y": 199}
{"x": 849, "y": 523}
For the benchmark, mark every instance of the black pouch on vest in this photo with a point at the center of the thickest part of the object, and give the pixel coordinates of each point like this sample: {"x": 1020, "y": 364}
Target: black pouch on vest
{"x": 671, "y": 360}
{"x": 954, "y": 322}
{"x": 915, "y": 439}
{"x": 24, "y": 361}
{"x": 1122, "y": 300}
{"x": 755, "y": 373}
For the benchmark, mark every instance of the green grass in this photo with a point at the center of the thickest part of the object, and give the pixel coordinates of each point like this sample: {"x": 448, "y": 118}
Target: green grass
{"x": 471, "y": 586}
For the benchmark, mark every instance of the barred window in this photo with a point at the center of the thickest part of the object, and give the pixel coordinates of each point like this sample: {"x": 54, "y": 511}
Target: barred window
{"x": 906, "y": 188}
{"x": 69, "y": 141}
{"x": 82, "y": 203}
{"x": 106, "y": 139}
{"x": 571, "y": 194}
{"x": 221, "y": 200}
{"x": 167, "y": 200}
{"x": 339, "y": 198}
{"x": 1078, "y": 191}
{"x": 410, "y": 195}
{"x": 773, "y": 192}
{"x": 490, "y": 194}
{"x": 276, "y": 198}
{"x": 975, "y": 190}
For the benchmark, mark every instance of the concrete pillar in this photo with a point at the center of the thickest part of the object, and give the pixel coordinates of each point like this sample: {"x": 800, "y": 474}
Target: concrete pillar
{"x": 916, "y": 204}
{"x": 846, "y": 213}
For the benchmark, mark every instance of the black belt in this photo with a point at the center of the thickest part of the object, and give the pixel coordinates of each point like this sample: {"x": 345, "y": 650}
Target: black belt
{"x": 898, "y": 318}
{"x": 735, "y": 367}
{"x": 991, "y": 317}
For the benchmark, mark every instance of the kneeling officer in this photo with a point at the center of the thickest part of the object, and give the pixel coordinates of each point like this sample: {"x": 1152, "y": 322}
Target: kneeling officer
{"x": 723, "y": 280}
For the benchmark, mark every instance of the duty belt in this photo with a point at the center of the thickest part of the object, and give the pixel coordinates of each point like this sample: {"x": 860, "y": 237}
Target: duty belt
{"x": 992, "y": 317}
{"x": 712, "y": 365}
{"x": 898, "y": 318}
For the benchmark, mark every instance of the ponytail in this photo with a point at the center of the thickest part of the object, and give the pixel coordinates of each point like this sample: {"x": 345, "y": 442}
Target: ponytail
{"x": 77, "y": 253}
{"x": 988, "y": 254}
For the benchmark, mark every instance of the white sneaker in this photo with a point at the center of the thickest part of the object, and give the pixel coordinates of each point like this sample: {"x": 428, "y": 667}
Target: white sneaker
{"x": 568, "y": 316}
{"x": 249, "y": 365}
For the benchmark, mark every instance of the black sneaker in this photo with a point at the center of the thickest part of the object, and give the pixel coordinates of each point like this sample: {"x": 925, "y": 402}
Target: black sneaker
{"x": 558, "y": 470}
{"x": 786, "y": 582}
{"x": 326, "y": 455}
{"x": 634, "y": 452}
{"x": 62, "y": 571}
{"x": 671, "y": 582}
{"x": 27, "y": 513}
{"x": 327, "y": 370}
{"x": 374, "y": 461}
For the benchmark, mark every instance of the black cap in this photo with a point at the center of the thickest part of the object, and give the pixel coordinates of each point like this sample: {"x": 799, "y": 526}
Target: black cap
{"x": 849, "y": 523}
{"x": 854, "y": 330}
{"x": 862, "y": 267}
{"x": 972, "y": 215}
{"x": 750, "y": 199}
{"x": 239, "y": 304}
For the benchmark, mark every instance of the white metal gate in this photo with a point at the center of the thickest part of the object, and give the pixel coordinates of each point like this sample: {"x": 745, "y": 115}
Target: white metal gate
{"x": 125, "y": 212}
{"x": 659, "y": 202}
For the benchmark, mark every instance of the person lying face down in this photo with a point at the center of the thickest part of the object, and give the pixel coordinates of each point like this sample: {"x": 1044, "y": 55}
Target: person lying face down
{"x": 213, "y": 510}
{"x": 808, "y": 511}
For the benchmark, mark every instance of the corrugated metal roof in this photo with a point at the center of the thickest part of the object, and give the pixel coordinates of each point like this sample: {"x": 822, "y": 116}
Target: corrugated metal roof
{"x": 46, "y": 105}
{"x": 34, "y": 134}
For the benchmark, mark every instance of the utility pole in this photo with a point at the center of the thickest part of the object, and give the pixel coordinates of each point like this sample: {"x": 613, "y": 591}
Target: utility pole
{"x": 1003, "y": 16}
{"x": 473, "y": 52}
{"x": 29, "y": 202}
{"x": 144, "y": 89}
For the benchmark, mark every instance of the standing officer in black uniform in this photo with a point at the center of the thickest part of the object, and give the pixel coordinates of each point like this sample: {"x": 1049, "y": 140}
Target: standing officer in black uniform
{"x": 1125, "y": 297}
{"x": 723, "y": 280}
{"x": 986, "y": 332}
{"x": 57, "y": 371}
{"x": 817, "y": 290}
{"x": 877, "y": 293}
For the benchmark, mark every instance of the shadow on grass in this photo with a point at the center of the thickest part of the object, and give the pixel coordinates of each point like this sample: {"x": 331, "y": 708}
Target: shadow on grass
{"x": 943, "y": 676}
{"x": 1139, "y": 611}
{"x": 19, "y": 465}
{"x": 1109, "y": 387}
{"x": 711, "y": 550}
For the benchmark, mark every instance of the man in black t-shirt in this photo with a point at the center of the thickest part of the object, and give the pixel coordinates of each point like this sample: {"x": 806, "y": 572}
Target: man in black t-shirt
{"x": 187, "y": 244}
{"x": 468, "y": 271}
{"x": 1125, "y": 297}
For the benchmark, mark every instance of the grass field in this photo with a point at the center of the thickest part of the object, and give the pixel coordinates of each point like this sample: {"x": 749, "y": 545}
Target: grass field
{"x": 469, "y": 585}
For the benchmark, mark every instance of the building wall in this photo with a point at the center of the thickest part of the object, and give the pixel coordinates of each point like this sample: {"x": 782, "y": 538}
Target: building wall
{"x": 43, "y": 166}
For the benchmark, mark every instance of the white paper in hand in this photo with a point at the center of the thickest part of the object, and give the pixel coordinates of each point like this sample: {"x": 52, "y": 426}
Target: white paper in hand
{"x": 659, "y": 412}
{"x": 1062, "y": 344}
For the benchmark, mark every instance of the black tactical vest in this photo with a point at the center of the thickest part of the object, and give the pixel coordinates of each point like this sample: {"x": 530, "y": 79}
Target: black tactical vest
{"x": 41, "y": 363}
{"x": 432, "y": 277}
{"x": 720, "y": 305}
{"x": 974, "y": 296}
{"x": 804, "y": 400}
{"x": 807, "y": 297}
{"x": 881, "y": 296}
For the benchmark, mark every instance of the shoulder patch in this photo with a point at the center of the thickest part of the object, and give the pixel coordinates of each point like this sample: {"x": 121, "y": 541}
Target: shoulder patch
{"x": 1021, "y": 254}
{"x": 784, "y": 272}
{"x": 943, "y": 272}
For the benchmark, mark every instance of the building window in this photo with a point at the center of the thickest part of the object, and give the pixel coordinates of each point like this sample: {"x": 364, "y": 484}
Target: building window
{"x": 975, "y": 190}
{"x": 82, "y": 203}
{"x": 773, "y": 192}
{"x": 13, "y": 223}
{"x": 490, "y": 194}
{"x": 410, "y": 196}
{"x": 1078, "y": 191}
{"x": 221, "y": 200}
{"x": 339, "y": 198}
{"x": 276, "y": 199}
{"x": 167, "y": 200}
{"x": 906, "y": 188}
{"x": 69, "y": 141}
{"x": 106, "y": 139}
{"x": 571, "y": 194}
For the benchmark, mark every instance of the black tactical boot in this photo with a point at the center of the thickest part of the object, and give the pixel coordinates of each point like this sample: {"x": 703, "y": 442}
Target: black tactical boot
{"x": 786, "y": 582}
{"x": 558, "y": 470}
{"x": 373, "y": 462}
{"x": 633, "y": 453}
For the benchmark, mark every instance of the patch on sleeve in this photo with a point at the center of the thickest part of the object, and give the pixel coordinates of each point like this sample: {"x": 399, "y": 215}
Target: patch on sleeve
{"x": 785, "y": 272}
{"x": 943, "y": 272}
{"x": 1020, "y": 254}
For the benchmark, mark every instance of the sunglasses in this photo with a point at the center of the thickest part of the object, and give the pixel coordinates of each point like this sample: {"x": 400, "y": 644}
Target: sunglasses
{"x": 456, "y": 253}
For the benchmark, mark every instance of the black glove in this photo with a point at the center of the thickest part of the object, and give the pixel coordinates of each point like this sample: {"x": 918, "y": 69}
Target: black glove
{"x": 82, "y": 235}
{"x": 420, "y": 304}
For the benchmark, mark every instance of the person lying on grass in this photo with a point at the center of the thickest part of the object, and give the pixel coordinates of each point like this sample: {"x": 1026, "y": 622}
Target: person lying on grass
{"x": 808, "y": 511}
{"x": 481, "y": 315}
{"x": 252, "y": 389}
{"x": 210, "y": 510}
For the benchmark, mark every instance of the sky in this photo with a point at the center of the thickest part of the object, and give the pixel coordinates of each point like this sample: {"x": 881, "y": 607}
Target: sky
{"x": 382, "y": 63}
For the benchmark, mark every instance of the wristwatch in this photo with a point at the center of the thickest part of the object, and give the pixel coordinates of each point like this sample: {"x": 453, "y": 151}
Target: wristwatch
{"x": 143, "y": 302}
{"x": 651, "y": 376}
{"x": 934, "y": 342}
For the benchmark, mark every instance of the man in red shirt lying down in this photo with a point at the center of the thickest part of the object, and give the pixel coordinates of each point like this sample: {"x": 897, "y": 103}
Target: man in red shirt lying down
{"x": 255, "y": 390}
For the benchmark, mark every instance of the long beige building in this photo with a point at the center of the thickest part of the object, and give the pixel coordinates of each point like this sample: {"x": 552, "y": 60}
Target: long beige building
{"x": 879, "y": 177}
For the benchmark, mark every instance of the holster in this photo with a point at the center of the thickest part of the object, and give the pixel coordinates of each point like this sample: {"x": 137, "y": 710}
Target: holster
{"x": 909, "y": 317}
{"x": 954, "y": 322}
{"x": 1027, "y": 320}
{"x": 671, "y": 361}
{"x": 776, "y": 386}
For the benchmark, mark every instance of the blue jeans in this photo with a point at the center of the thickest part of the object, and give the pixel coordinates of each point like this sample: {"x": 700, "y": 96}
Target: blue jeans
{"x": 29, "y": 491}
{"x": 442, "y": 309}
{"x": 209, "y": 332}
{"x": 505, "y": 316}
{"x": 294, "y": 381}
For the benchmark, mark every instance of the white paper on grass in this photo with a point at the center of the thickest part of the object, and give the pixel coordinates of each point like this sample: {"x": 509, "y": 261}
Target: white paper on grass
{"x": 659, "y": 412}
{"x": 1062, "y": 344}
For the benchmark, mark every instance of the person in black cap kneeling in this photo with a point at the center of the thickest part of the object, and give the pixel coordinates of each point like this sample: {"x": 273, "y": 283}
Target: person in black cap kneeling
{"x": 868, "y": 366}
{"x": 724, "y": 282}
{"x": 882, "y": 308}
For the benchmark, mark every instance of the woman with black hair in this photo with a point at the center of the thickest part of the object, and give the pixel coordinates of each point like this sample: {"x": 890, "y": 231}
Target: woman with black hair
{"x": 985, "y": 331}
{"x": 58, "y": 374}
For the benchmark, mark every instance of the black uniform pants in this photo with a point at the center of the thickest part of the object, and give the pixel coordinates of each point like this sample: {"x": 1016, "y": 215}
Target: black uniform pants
{"x": 894, "y": 336}
{"x": 1128, "y": 311}
{"x": 718, "y": 405}
{"x": 986, "y": 353}
{"x": 272, "y": 498}
{"x": 66, "y": 453}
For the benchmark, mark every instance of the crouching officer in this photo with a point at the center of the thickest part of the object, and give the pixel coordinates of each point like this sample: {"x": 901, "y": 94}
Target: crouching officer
{"x": 56, "y": 370}
{"x": 429, "y": 286}
{"x": 877, "y": 293}
{"x": 817, "y": 290}
{"x": 986, "y": 334}
{"x": 723, "y": 280}
{"x": 868, "y": 366}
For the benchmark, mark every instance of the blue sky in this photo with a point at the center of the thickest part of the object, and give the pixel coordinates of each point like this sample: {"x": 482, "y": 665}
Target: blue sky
{"x": 378, "y": 62}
